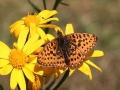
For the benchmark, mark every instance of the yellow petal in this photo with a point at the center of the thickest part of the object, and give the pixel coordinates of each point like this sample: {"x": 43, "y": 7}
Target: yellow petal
{"x": 56, "y": 73}
{"x": 18, "y": 30}
{"x": 86, "y": 70}
{"x": 48, "y": 20}
{"x": 61, "y": 71}
{"x": 13, "y": 79}
{"x": 28, "y": 74}
{"x": 15, "y": 45}
{"x": 42, "y": 33}
{"x": 31, "y": 66}
{"x": 22, "y": 38}
{"x": 48, "y": 26}
{"x": 21, "y": 79}
{"x": 16, "y": 25}
{"x": 50, "y": 37}
{"x": 69, "y": 29}
{"x": 3, "y": 55}
{"x": 33, "y": 29}
{"x": 3, "y": 62}
{"x": 35, "y": 68}
{"x": 32, "y": 59}
{"x": 46, "y": 14}
{"x": 6, "y": 69}
{"x": 31, "y": 41}
{"x": 71, "y": 72}
{"x": 23, "y": 18}
{"x": 50, "y": 13}
{"x": 35, "y": 46}
{"x": 92, "y": 64}
{"x": 37, "y": 51}
{"x": 95, "y": 53}
{"x": 4, "y": 49}
{"x": 59, "y": 29}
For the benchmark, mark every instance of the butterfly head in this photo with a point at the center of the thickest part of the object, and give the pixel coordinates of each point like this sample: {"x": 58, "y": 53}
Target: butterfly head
{"x": 59, "y": 33}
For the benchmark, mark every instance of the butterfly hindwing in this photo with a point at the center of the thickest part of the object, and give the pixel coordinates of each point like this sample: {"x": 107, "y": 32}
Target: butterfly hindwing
{"x": 60, "y": 59}
{"x": 75, "y": 57}
{"x": 83, "y": 41}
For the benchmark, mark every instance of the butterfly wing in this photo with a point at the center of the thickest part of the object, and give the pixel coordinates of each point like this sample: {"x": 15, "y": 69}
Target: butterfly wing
{"x": 50, "y": 57}
{"x": 83, "y": 41}
{"x": 75, "y": 57}
{"x": 80, "y": 45}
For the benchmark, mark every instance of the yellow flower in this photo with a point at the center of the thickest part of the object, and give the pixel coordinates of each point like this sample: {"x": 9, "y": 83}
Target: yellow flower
{"x": 32, "y": 23}
{"x": 48, "y": 71}
{"x": 19, "y": 61}
{"x": 84, "y": 67}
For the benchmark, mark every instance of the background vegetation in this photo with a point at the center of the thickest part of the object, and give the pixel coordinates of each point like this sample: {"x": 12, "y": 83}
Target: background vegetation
{"x": 100, "y": 17}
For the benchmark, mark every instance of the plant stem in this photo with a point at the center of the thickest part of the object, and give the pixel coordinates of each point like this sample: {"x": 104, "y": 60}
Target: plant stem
{"x": 44, "y": 3}
{"x": 62, "y": 80}
{"x": 37, "y": 9}
{"x": 56, "y": 4}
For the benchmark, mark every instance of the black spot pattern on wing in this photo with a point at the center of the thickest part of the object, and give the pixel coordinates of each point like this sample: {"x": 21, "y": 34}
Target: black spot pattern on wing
{"x": 67, "y": 51}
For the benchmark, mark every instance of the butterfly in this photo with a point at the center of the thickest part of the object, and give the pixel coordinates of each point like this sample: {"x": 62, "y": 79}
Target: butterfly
{"x": 67, "y": 51}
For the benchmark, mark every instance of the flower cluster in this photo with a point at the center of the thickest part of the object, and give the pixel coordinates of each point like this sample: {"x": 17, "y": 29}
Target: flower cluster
{"x": 21, "y": 60}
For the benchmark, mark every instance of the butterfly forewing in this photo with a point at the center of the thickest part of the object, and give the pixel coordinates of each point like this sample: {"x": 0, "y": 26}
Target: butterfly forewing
{"x": 50, "y": 57}
{"x": 47, "y": 56}
{"x": 83, "y": 41}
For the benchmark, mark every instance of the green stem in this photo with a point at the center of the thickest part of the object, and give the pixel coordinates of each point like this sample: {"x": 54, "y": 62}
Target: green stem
{"x": 44, "y": 3}
{"x": 62, "y": 80}
{"x": 56, "y": 4}
{"x": 49, "y": 86}
{"x": 47, "y": 29}
{"x": 1, "y": 87}
{"x": 33, "y": 6}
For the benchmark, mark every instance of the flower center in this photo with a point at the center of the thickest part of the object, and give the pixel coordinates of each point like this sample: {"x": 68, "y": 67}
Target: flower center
{"x": 17, "y": 58}
{"x": 31, "y": 19}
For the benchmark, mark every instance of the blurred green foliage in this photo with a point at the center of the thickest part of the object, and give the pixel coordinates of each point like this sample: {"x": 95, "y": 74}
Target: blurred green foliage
{"x": 1, "y": 87}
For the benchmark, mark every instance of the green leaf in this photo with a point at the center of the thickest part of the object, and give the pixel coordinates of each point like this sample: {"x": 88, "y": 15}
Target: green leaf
{"x": 1, "y": 87}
